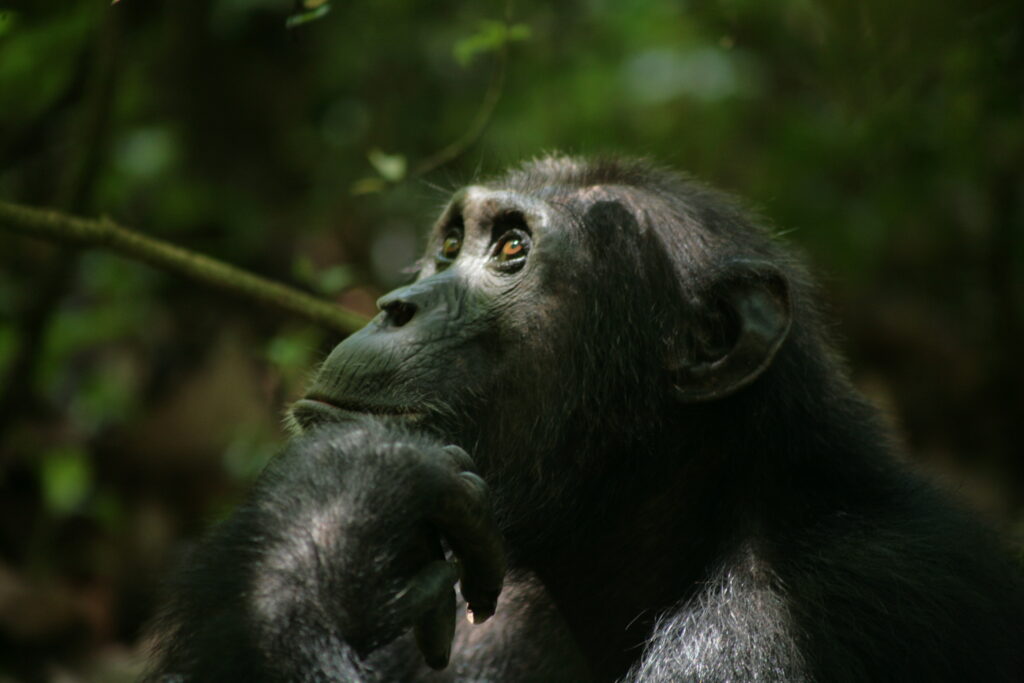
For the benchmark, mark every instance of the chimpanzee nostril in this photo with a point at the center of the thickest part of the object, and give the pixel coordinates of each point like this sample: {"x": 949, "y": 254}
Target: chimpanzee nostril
{"x": 399, "y": 312}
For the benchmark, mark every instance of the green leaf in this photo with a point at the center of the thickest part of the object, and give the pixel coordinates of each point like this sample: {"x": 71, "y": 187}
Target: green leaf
{"x": 490, "y": 37}
{"x": 300, "y": 18}
{"x": 146, "y": 152}
{"x": 334, "y": 279}
{"x": 328, "y": 281}
{"x": 294, "y": 350}
{"x": 66, "y": 477}
{"x": 390, "y": 166}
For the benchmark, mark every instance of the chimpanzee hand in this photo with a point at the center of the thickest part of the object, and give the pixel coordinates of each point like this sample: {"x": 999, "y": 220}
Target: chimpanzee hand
{"x": 354, "y": 519}
{"x": 338, "y": 550}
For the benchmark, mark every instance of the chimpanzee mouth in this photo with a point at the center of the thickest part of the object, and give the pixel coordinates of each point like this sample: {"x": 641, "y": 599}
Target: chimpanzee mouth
{"x": 315, "y": 409}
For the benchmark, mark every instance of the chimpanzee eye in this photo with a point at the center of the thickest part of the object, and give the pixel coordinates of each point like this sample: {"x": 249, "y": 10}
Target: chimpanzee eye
{"x": 451, "y": 245}
{"x": 511, "y": 248}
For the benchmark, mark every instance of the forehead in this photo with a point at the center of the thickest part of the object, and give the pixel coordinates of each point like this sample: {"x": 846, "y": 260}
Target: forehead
{"x": 481, "y": 204}
{"x": 539, "y": 206}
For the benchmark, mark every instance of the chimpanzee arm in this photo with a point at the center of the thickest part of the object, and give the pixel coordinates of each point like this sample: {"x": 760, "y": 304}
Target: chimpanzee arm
{"x": 336, "y": 553}
{"x": 213, "y": 629}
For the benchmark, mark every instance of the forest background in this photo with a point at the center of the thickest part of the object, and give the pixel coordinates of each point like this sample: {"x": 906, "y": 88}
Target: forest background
{"x": 313, "y": 142}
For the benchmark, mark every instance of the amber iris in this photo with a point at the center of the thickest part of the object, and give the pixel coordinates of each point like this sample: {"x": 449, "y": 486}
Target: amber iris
{"x": 511, "y": 248}
{"x": 451, "y": 246}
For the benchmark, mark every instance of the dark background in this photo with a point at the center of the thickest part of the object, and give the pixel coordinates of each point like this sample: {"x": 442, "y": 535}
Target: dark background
{"x": 886, "y": 140}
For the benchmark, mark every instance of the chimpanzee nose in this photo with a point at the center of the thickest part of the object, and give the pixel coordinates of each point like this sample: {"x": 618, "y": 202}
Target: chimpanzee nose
{"x": 397, "y": 312}
{"x": 429, "y": 295}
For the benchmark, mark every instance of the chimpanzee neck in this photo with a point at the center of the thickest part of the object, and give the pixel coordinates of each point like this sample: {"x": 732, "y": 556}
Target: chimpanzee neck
{"x": 614, "y": 574}
{"x": 618, "y": 570}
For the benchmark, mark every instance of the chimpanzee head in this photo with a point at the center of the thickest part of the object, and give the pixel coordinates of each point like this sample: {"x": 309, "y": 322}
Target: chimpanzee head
{"x": 567, "y": 307}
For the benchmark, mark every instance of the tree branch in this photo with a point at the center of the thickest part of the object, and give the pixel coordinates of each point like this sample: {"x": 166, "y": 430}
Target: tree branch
{"x": 105, "y": 233}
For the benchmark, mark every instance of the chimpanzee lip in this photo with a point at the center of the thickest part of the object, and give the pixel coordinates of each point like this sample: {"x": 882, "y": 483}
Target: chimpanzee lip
{"x": 316, "y": 408}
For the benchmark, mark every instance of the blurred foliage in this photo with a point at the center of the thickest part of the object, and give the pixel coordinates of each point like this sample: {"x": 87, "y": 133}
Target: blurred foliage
{"x": 886, "y": 140}
{"x": 66, "y": 478}
{"x": 311, "y": 11}
{"x": 489, "y": 37}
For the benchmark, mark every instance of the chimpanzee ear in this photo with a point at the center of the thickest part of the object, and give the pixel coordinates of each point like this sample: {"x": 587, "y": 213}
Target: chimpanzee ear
{"x": 748, "y": 321}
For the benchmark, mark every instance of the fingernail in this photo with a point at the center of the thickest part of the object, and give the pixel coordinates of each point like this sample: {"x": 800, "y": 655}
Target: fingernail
{"x": 478, "y": 614}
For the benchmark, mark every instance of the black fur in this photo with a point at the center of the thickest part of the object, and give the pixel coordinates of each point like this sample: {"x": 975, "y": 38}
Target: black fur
{"x": 687, "y": 486}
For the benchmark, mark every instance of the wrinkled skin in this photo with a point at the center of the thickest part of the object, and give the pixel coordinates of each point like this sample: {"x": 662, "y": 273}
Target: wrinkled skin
{"x": 464, "y": 329}
{"x": 607, "y": 410}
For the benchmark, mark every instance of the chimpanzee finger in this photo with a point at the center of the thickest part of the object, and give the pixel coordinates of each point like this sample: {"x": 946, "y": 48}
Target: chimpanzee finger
{"x": 435, "y": 630}
{"x": 423, "y": 602}
{"x": 464, "y": 517}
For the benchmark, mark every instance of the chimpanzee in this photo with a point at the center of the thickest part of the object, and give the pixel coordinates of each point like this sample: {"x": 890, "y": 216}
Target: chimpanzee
{"x": 607, "y": 408}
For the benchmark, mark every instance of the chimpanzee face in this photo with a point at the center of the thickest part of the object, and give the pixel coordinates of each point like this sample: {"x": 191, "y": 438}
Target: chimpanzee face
{"x": 486, "y": 311}
{"x": 543, "y": 313}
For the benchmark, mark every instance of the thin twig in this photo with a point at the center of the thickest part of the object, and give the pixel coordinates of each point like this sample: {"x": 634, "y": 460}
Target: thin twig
{"x": 479, "y": 123}
{"x": 483, "y": 115}
{"x": 105, "y": 233}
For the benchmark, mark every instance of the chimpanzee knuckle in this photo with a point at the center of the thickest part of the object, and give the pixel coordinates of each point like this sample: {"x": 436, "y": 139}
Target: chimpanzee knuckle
{"x": 476, "y": 489}
{"x": 461, "y": 500}
{"x": 459, "y": 458}
{"x": 398, "y": 452}
{"x": 403, "y": 465}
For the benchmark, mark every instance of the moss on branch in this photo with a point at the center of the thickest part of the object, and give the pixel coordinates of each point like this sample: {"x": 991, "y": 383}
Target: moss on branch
{"x": 104, "y": 233}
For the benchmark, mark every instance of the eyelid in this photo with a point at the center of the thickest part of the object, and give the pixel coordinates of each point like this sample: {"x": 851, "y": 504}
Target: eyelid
{"x": 507, "y": 221}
